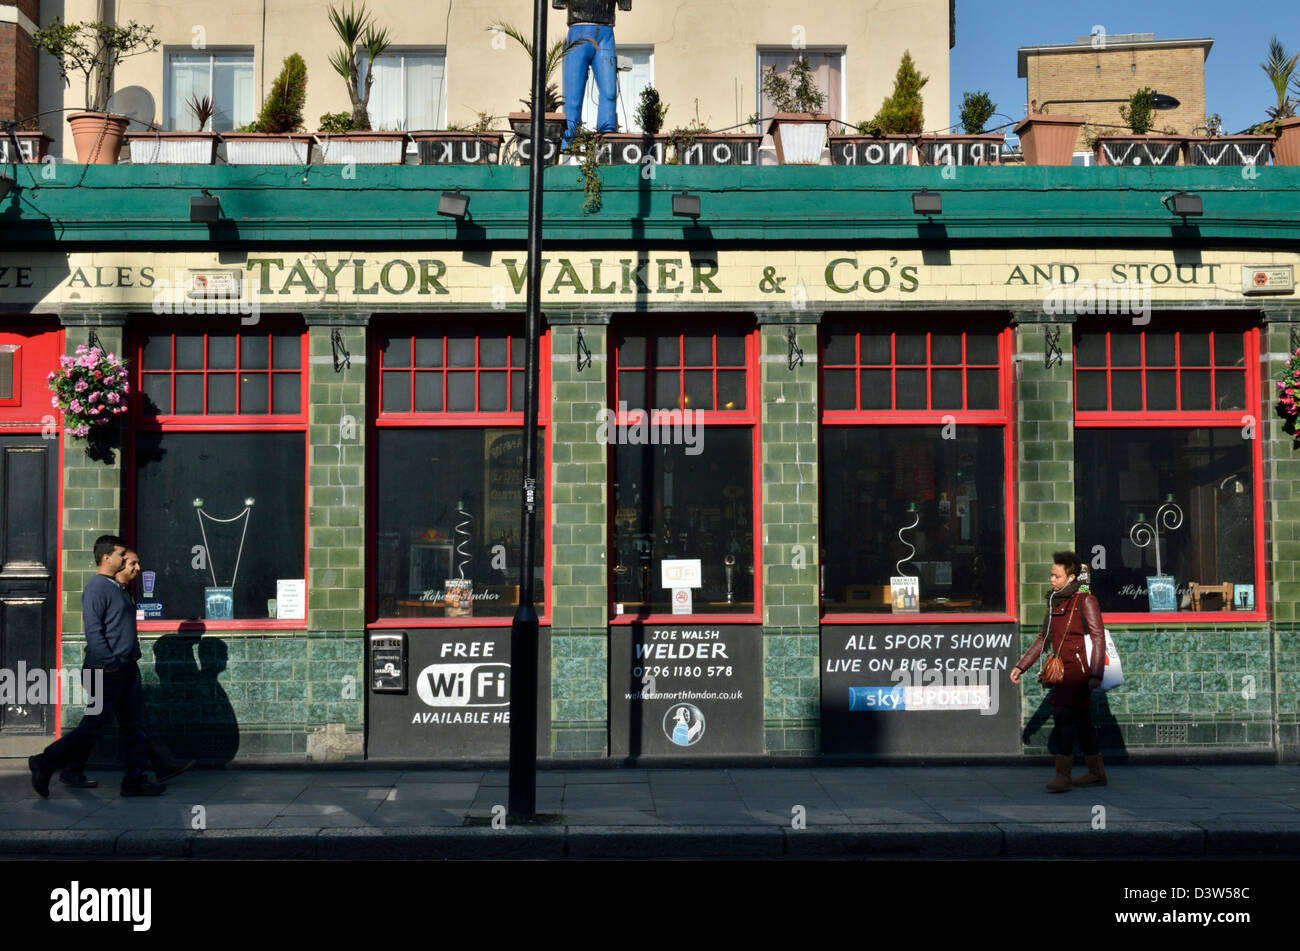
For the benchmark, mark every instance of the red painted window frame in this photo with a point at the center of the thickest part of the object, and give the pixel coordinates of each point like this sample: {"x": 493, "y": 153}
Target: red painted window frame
{"x": 1003, "y": 417}
{"x": 191, "y": 423}
{"x": 1217, "y": 419}
{"x": 750, "y": 417}
{"x": 17, "y": 376}
{"x": 455, "y": 420}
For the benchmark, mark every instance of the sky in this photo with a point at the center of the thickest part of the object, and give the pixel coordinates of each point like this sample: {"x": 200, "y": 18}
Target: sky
{"x": 990, "y": 31}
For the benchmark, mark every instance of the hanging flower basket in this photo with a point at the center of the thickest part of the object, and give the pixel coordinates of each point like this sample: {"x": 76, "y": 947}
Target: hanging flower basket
{"x": 1288, "y": 395}
{"x": 90, "y": 389}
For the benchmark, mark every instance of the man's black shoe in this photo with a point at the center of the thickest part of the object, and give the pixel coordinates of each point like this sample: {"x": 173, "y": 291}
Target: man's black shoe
{"x": 173, "y": 770}
{"x": 77, "y": 779}
{"x": 40, "y": 775}
{"x": 143, "y": 788}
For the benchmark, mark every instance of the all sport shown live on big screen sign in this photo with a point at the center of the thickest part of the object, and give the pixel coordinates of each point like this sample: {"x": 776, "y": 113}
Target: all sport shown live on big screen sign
{"x": 913, "y": 688}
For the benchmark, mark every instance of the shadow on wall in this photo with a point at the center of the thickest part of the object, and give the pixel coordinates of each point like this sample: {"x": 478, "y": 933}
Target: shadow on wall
{"x": 1109, "y": 735}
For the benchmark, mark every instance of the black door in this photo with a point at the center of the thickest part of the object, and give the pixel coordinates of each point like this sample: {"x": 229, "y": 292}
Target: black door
{"x": 28, "y": 531}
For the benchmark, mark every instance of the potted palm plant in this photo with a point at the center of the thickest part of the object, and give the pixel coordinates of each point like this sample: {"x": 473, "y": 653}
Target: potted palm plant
{"x": 555, "y": 122}
{"x": 1048, "y": 139}
{"x": 94, "y": 49}
{"x": 359, "y": 143}
{"x": 1142, "y": 147}
{"x": 974, "y": 146}
{"x": 799, "y": 127}
{"x": 888, "y": 138}
{"x": 461, "y": 144}
{"x": 1282, "y": 120}
{"x": 276, "y": 138}
{"x": 178, "y": 148}
{"x": 1232, "y": 150}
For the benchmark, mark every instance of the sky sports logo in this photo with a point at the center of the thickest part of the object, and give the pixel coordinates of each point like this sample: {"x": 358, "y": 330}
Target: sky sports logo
{"x": 912, "y": 698}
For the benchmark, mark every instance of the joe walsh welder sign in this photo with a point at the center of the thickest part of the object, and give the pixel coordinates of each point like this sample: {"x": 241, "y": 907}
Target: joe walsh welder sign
{"x": 688, "y": 690}
{"x": 919, "y": 688}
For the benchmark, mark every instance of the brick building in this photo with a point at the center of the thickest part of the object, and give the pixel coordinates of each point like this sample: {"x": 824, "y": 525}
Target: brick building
{"x": 1095, "y": 75}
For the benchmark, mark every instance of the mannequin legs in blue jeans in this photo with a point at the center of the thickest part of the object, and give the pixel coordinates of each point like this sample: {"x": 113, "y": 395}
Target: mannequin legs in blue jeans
{"x": 595, "y": 51}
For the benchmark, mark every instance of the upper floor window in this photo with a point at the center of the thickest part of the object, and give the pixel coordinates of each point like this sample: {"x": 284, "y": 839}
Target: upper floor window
{"x": 409, "y": 90}
{"x": 225, "y": 76}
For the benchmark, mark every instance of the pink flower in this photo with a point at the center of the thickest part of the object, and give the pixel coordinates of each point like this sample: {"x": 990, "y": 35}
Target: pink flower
{"x": 54, "y": 401}
{"x": 94, "y": 411}
{"x": 114, "y": 398}
{"x": 81, "y": 348}
{"x": 93, "y": 397}
{"x": 81, "y": 386}
{"x": 98, "y": 375}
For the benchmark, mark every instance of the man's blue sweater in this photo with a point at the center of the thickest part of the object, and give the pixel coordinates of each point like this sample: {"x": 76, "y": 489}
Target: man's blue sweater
{"x": 108, "y": 617}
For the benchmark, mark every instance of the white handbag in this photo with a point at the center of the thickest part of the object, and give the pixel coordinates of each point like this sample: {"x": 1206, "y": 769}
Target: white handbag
{"x": 1113, "y": 674}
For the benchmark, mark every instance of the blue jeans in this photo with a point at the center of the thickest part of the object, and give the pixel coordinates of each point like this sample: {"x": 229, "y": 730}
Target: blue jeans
{"x": 595, "y": 51}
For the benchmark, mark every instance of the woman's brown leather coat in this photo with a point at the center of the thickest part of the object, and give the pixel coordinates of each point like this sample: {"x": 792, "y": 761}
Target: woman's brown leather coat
{"x": 1072, "y": 619}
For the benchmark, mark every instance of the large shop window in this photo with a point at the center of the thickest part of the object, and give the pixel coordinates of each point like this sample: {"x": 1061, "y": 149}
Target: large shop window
{"x": 449, "y": 472}
{"x": 914, "y": 448}
{"x": 221, "y": 423}
{"x": 683, "y": 466}
{"x": 1164, "y": 440}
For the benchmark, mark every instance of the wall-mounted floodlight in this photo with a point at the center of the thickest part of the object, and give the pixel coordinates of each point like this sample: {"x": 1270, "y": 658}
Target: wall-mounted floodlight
{"x": 453, "y": 204}
{"x": 1162, "y": 102}
{"x": 926, "y": 202}
{"x": 686, "y": 205}
{"x": 205, "y": 209}
{"x": 1184, "y": 204}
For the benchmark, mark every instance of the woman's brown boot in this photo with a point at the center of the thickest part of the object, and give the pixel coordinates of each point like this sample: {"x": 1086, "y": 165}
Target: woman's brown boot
{"x": 1096, "y": 775}
{"x": 1061, "y": 781}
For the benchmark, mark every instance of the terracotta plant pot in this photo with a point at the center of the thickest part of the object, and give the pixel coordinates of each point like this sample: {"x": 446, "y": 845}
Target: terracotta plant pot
{"x": 632, "y": 148}
{"x": 1048, "y": 140}
{"x": 268, "y": 148}
{"x": 361, "y": 148}
{"x": 961, "y": 149}
{"x": 172, "y": 148}
{"x": 97, "y": 137}
{"x": 800, "y": 137}
{"x": 869, "y": 150}
{"x": 458, "y": 148}
{"x": 1139, "y": 150}
{"x": 1230, "y": 150}
{"x": 553, "y": 126}
{"x": 1286, "y": 150}
{"x": 32, "y": 147}
{"x": 718, "y": 148}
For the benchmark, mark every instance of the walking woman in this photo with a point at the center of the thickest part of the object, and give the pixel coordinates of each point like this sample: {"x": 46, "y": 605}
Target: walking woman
{"x": 1072, "y": 614}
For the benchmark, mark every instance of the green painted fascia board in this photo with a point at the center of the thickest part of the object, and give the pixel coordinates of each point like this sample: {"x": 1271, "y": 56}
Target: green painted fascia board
{"x": 817, "y": 205}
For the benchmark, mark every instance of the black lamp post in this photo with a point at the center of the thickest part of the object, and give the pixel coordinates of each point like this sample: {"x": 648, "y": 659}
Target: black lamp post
{"x": 524, "y": 629}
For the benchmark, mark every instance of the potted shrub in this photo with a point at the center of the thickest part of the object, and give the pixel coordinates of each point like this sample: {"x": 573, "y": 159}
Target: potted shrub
{"x": 178, "y": 148}
{"x": 276, "y": 137}
{"x": 1048, "y": 139}
{"x": 799, "y": 127}
{"x": 694, "y": 144}
{"x": 888, "y": 138}
{"x": 1142, "y": 147}
{"x": 474, "y": 144}
{"x": 631, "y": 148}
{"x": 974, "y": 146}
{"x": 94, "y": 49}
{"x": 338, "y": 144}
{"x": 554, "y": 121}
{"x": 1232, "y": 150}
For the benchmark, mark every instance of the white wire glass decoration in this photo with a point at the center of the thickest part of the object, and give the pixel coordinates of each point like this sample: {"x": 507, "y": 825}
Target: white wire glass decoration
{"x": 218, "y": 599}
{"x": 1161, "y": 588}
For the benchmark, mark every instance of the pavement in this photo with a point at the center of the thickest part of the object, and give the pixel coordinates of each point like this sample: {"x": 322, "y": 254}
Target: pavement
{"x": 986, "y": 812}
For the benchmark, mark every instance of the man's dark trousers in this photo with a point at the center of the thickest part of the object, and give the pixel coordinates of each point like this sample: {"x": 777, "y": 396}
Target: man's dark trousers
{"x": 123, "y": 696}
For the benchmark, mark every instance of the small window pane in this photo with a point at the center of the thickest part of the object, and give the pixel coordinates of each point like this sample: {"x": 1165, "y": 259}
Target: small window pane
{"x": 460, "y": 351}
{"x": 460, "y": 392}
{"x": 397, "y": 392}
{"x": 631, "y": 352}
{"x": 492, "y": 392}
{"x": 667, "y": 351}
{"x": 981, "y": 389}
{"x": 428, "y": 351}
{"x": 945, "y": 348}
{"x": 189, "y": 393}
{"x": 1229, "y": 350}
{"x": 253, "y": 396}
{"x": 1196, "y": 389}
{"x": 157, "y": 352}
{"x": 254, "y": 353}
{"x": 839, "y": 393}
{"x": 911, "y": 348}
{"x": 839, "y": 347}
{"x": 221, "y": 352}
{"x": 1162, "y": 390}
{"x": 631, "y": 388}
{"x": 945, "y": 389}
{"x": 982, "y": 348}
{"x": 221, "y": 393}
{"x": 877, "y": 391}
{"x": 189, "y": 351}
{"x": 911, "y": 389}
{"x": 1089, "y": 349}
{"x": 287, "y": 392}
{"x": 516, "y": 392}
{"x": 492, "y": 351}
{"x": 731, "y": 389}
{"x": 428, "y": 392}
{"x": 1125, "y": 350}
{"x": 699, "y": 389}
{"x": 1090, "y": 390}
{"x": 1160, "y": 350}
{"x": 287, "y": 352}
{"x": 1126, "y": 390}
{"x": 1230, "y": 389}
{"x": 518, "y": 352}
{"x": 875, "y": 348}
{"x": 699, "y": 350}
{"x": 397, "y": 352}
{"x": 1195, "y": 349}
{"x": 731, "y": 348}
{"x": 158, "y": 392}
{"x": 667, "y": 395}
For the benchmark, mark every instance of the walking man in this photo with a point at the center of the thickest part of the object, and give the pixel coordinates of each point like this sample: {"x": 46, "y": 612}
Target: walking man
{"x": 108, "y": 617}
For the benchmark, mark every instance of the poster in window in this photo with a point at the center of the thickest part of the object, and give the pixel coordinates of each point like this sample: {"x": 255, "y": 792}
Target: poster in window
{"x": 503, "y": 475}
